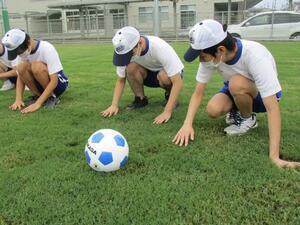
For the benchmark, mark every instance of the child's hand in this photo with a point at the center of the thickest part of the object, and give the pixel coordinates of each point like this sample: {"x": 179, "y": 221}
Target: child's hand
{"x": 110, "y": 111}
{"x": 184, "y": 135}
{"x": 31, "y": 108}
{"x": 18, "y": 104}
{"x": 285, "y": 164}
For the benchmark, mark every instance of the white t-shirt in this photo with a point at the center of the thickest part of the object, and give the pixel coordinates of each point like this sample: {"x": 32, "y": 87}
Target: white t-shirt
{"x": 4, "y": 58}
{"x": 160, "y": 55}
{"x": 46, "y": 53}
{"x": 255, "y": 62}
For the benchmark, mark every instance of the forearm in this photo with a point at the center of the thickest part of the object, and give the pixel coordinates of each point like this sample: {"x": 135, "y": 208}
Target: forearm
{"x": 48, "y": 90}
{"x": 8, "y": 74}
{"x": 176, "y": 88}
{"x": 274, "y": 123}
{"x": 193, "y": 107}
{"x": 19, "y": 89}
{"x": 118, "y": 91}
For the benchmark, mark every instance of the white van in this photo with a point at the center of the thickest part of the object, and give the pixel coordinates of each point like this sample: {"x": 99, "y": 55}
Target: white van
{"x": 286, "y": 25}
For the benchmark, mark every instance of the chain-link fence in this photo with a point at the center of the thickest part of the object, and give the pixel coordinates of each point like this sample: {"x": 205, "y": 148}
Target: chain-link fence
{"x": 101, "y": 26}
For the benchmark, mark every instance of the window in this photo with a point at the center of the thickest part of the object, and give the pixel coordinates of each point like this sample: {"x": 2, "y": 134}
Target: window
{"x": 145, "y": 14}
{"x": 295, "y": 18}
{"x": 187, "y": 15}
{"x": 281, "y": 18}
{"x": 72, "y": 13}
{"x": 259, "y": 20}
{"x": 96, "y": 16}
{"x": 118, "y": 18}
{"x": 164, "y": 12}
{"x": 73, "y": 21}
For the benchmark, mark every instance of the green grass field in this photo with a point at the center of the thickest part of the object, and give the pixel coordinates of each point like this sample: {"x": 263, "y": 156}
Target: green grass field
{"x": 44, "y": 177}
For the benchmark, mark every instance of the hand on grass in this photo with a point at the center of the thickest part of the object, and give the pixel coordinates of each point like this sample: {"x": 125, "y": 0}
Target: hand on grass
{"x": 110, "y": 111}
{"x": 18, "y": 104}
{"x": 285, "y": 164}
{"x": 31, "y": 108}
{"x": 162, "y": 118}
{"x": 183, "y": 136}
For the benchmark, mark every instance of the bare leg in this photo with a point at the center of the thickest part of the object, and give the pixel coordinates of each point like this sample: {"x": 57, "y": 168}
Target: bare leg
{"x": 40, "y": 73}
{"x": 243, "y": 91}
{"x": 218, "y": 105}
{"x": 3, "y": 69}
{"x": 135, "y": 76}
{"x": 164, "y": 80}
{"x": 26, "y": 75}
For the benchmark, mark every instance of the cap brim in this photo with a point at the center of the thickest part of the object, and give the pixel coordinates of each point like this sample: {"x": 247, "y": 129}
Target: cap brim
{"x": 122, "y": 60}
{"x": 11, "y": 55}
{"x": 191, "y": 54}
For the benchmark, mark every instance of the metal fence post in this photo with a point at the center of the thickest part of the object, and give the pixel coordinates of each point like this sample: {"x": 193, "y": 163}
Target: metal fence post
{"x": 5, "y": 17}
{"x": 156, "y": 17}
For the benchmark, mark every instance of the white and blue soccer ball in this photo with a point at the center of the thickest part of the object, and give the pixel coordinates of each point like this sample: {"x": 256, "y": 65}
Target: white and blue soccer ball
{"x": 106, "y": 150}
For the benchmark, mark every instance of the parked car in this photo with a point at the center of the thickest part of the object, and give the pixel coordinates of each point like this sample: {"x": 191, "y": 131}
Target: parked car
{"x": 286, "y": 25}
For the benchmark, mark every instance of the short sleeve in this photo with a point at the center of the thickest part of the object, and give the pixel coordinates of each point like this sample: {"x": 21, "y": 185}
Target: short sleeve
{"x": 204, "y": 74}
{"x": 264, "y": 73}
{"x": 52, "y": 59}
{"x": 170, "y": 61}
{"x": 121, "y": 71}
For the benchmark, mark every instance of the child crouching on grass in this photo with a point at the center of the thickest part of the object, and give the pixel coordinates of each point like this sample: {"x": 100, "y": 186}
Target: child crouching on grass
{"x": 38, "y": 67}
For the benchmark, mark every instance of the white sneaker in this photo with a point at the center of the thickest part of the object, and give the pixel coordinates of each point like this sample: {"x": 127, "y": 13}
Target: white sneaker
{"x": 7, "y": 85}
{"x": 241, "y": 126}
{"x": 232, "y": 116}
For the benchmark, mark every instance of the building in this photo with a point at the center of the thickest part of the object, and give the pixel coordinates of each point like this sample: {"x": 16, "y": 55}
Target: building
{"x": 100, "y": 18}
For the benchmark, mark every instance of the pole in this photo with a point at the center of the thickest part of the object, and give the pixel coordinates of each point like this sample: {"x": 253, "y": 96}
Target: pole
{"x": 5, "y": 17}
{"x": 229, "y": 12}
{"x": 156, "y": 17}
{"x": 175, "y": 19}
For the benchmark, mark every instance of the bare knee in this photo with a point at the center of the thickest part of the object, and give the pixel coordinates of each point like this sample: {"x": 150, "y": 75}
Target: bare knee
{"x": 134, "y": 70}
{"x": 213, "y": 111}
{"x": 240, "y": 85}
{"x": 3, "y": 68}
{"x": 164, "y": 80}
{"x": 38, "y": 68}
{"x": 22, "y": 68}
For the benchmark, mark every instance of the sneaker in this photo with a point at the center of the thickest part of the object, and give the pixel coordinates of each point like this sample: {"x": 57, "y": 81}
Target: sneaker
{"x": 232, "y": 116}
{"x": 138, "y": 103}
{"x": 7, "y": 85}
{"x": 51, "y": 102}
{"x": 241, "y": 125}
{"x": 30, "y": 100}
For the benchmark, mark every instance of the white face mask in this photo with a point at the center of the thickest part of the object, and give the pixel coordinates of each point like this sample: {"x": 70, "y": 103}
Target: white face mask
{"x": 211, "y": 65}
{"x": 26, "y": 53}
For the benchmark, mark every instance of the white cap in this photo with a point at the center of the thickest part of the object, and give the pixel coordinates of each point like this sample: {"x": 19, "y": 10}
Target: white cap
{"x": 203, "y": 35}
{"x": 124, "y": 42}
{"x": 12, "y": 40}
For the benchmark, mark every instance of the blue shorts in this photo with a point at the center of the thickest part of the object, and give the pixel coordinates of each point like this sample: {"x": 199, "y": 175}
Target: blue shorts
{"x": 61, "y": 86}
{"x": 12, "y": 79}
{"x": 151, "y": 78}
{"x": 258, "y": 105}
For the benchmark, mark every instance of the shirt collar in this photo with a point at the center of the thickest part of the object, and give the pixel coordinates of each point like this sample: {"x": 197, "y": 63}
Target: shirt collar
{"x": 147, "y": 46}
{"x": 238, "y": 54}
{"x": 36, "y": 48}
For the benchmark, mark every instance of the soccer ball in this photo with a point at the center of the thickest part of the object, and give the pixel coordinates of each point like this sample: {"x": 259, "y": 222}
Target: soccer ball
{"x": 106, "y": 150}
